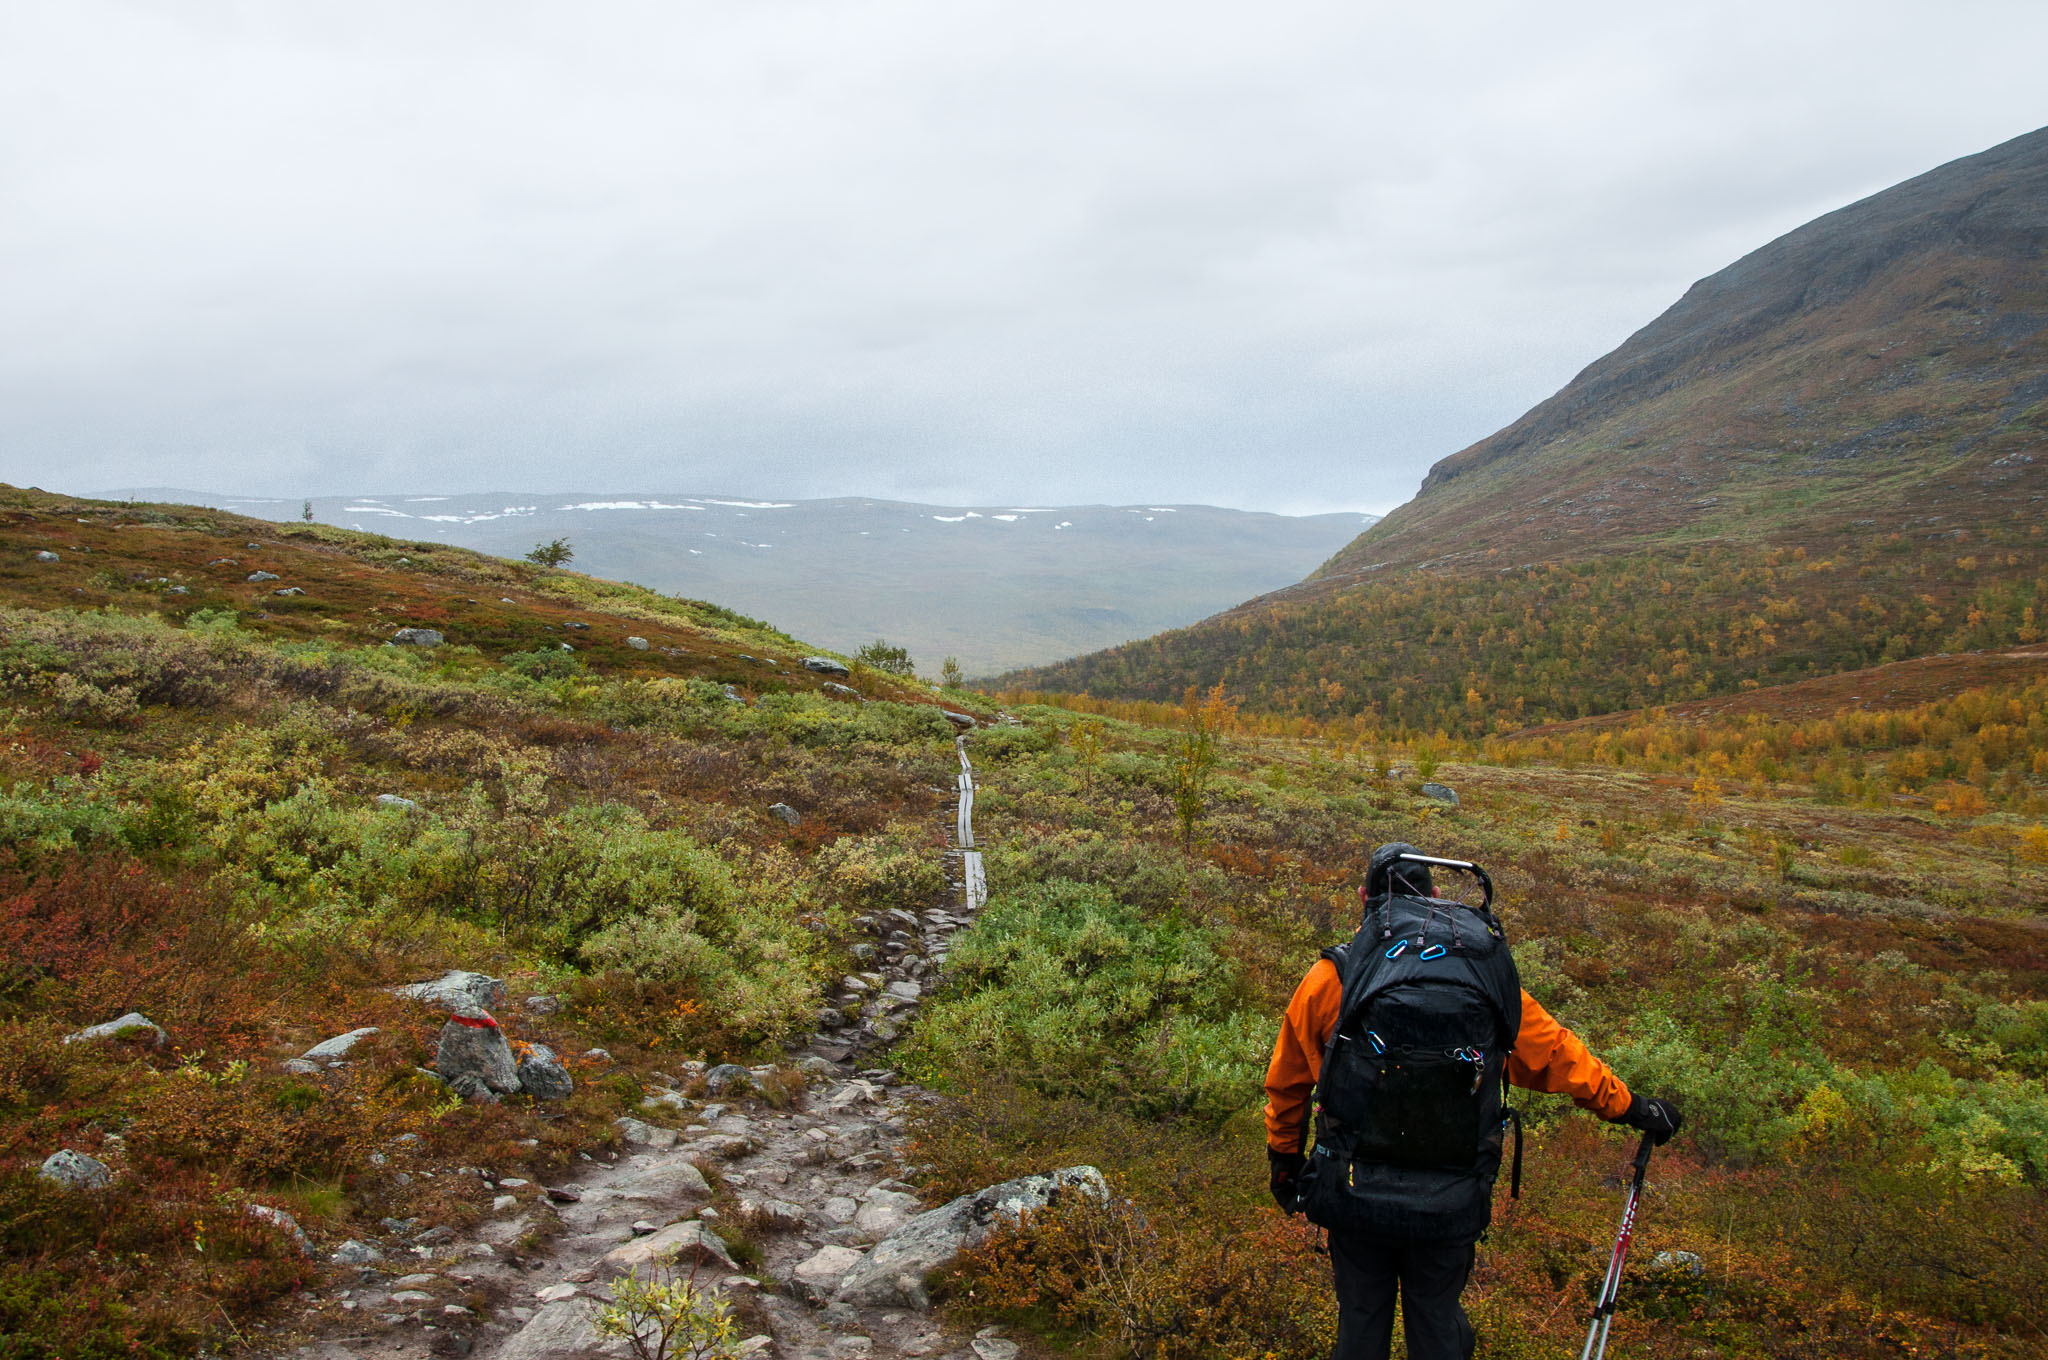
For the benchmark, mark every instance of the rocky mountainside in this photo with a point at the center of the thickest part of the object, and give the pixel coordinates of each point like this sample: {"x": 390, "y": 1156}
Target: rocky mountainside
{"x": 1023, "y": 585}
{"x": 1883, "y": 366}
{"x": 1866, "y": 396}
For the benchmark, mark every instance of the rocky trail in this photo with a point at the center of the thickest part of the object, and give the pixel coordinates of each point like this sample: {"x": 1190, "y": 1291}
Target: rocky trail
{"x": 843, "y": 1242}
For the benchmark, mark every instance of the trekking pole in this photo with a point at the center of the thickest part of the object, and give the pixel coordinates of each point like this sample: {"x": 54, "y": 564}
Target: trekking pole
{"x": 1603, "y": 1311}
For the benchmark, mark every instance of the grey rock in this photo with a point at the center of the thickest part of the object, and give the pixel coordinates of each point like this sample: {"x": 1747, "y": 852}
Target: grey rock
{"x": 843, "y": 691}
{"x": 638, "y": 1133}
{"x": 727, "y": 1077}
{"x": 687, "y": 1243}
{"x": 1441, "y": 793}
{"x": 454, "y": 988}
{"x": 332, "y": 1050}
{"x": 354, "y": 1253}
{"x": 542, "y": 1075}
{"x": 961, "y": 720}
{"x": 825, "y": 665}
{"x": 473, "y": 1046}
{"x": 819, "y": 1276}
{"x": 299, "y": 1067}
{"x": 46, "y": 556}
{"x": 264, "y": 576}
{"x": 75, "y": 1169}
{"x": 392, "y": 800}
{"x": 994, "y": 1348}
{"x": 786, "y": 813}
{"x": 288, "y": 590}
{"x": 811, "y": 1065}
{"x": 892, "y": 1275}
{"x": 830, "y": 1019}
{"x": 543, "y": 1004}
{"x": 131, "y": 1022}
{"x": 638, "y": 644}
{"x": 284, "y": 1223}
{"x": 565, "y": 1330}
{"x": 418, "y": 637}
{"x": 905, "y": 990}
{"x": 884, "y": 1212}
{"x": 775, "y": 1215}
{"x": 734, "y": 695}
{"x": 1684, "y": 1263}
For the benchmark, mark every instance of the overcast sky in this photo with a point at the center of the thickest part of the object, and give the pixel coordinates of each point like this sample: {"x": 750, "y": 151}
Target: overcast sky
{"x": 1271, "y": 255}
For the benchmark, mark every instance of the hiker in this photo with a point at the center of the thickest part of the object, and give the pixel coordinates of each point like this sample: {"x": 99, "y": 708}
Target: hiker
{"x": 1410, "y": 1122}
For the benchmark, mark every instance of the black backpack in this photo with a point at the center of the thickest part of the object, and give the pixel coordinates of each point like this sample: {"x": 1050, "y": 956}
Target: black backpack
{"x": 1410, "y": 1110}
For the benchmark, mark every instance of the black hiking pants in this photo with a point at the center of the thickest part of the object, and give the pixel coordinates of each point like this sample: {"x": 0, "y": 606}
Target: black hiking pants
{"x": 1429, "y": 1275}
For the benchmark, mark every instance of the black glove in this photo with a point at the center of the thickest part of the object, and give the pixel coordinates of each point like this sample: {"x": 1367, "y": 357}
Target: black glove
{"x": 1658, "y": 1118}
{"x": 1286, "y": 1173}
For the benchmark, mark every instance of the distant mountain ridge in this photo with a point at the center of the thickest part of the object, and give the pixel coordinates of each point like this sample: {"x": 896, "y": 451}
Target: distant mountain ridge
{"x": 1832, "y": 453}
{"x": 997, "y": 585}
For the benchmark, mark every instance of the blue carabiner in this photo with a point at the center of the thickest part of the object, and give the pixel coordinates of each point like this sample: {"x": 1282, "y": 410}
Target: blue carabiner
{"x": 1435, "y": 951}
{"x": 1395, "y": 952}
{"x": 1379, "y": 1045}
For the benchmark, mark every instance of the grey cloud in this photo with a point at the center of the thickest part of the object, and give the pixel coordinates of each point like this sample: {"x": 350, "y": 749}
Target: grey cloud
{"x": 1281, "y": 256}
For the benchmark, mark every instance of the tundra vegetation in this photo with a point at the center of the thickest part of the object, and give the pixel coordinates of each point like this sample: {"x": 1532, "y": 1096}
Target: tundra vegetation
{"x": 1820, "y": 931}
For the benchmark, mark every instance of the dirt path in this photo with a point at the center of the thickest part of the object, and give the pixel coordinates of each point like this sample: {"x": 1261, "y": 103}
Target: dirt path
{"x": 818, "y": 1176}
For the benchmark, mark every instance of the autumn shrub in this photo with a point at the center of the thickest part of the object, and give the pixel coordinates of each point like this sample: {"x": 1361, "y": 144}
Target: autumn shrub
{"x": 1159, "y": 1281}
{"x": 94, "y": 936}
{"x": 1078, "y": 993}
{"x": 874, "y": 873}
{"x": 1140, "y": 874}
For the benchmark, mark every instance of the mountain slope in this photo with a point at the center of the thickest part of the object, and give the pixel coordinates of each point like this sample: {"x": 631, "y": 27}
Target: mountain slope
{"x": 1888, "y": 358}
{"x": 1832, "y": 453}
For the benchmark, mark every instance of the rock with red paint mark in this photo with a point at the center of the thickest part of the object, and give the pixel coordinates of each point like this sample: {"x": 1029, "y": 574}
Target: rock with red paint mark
{"x": 473, "y": 1053}
{"x": 542, "y": 1076}
{"x": 456, "y": 988}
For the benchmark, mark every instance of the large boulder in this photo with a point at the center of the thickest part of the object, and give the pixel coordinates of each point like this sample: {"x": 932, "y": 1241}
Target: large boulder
{"x": 686, "y": 1244}
{"x": 122, "y": 1027}
{"x": 473, "y": 1054}
{"x": 825, "y": 665}
{"x": 418, "y": 637}
{"x": 564, "y": 1329}
{"x": 1441, "y": 793}
{"x": 75, "y": 1169}
{"x": 892, "y": 1275}
{"x": 454, "y": 988}
{"x": 541, "y": 1074}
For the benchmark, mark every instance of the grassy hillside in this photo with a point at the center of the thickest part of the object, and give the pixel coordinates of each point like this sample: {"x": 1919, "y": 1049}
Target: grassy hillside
{"x": 1834, "y": 452}
{"x": 1849, "y": 992}
{"x": 190, "y": 827}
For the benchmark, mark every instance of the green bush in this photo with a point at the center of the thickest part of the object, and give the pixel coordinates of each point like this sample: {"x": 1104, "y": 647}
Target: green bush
{"x": 874, "y": 873}
{"x": 1072, "y": 992}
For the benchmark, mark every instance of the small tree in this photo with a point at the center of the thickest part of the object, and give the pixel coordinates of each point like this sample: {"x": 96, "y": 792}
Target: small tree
{"x": 555, "y": 554}
{"x": 307, "y": 513}
{"x": 668, "y": 1317}
{"x": 887, "y": 658}
{"x": 949, "y": 673}
{"x": 1086, "y": 742}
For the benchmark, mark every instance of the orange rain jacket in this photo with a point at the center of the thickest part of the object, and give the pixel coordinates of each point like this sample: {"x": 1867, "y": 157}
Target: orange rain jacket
{"x": 1546, "y": 1057}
